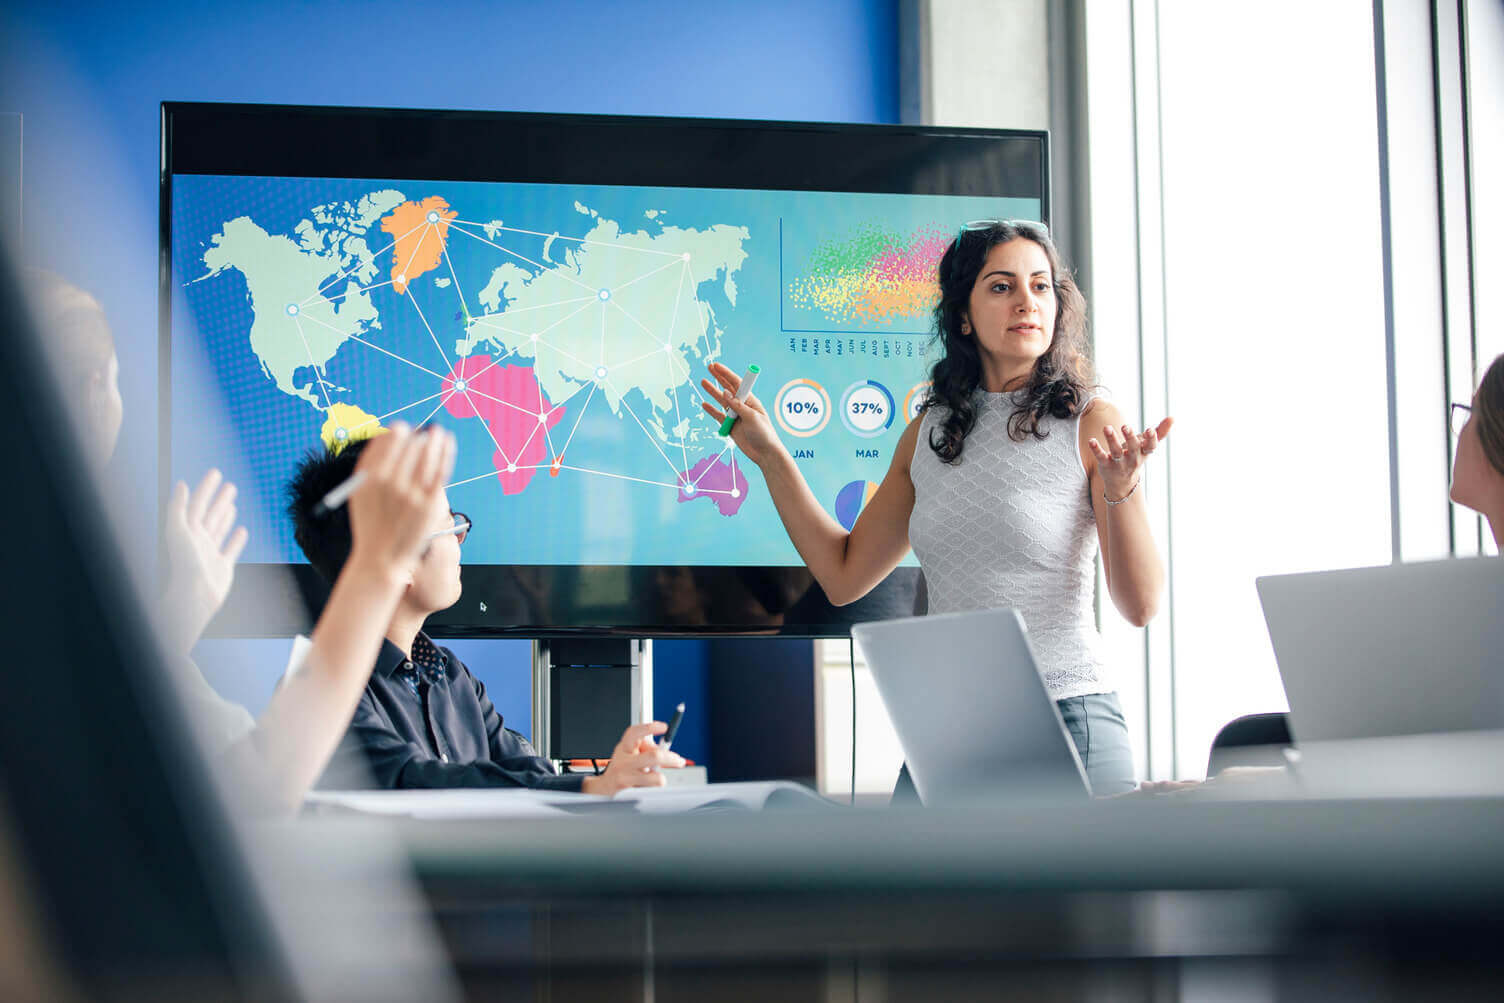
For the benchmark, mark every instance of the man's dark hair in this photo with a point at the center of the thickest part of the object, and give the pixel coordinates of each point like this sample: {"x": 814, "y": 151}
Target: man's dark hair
{"x": 325, "y": 538}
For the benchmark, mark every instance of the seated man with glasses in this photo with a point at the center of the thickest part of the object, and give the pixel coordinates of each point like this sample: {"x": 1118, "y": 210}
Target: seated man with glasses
{"x": 424, "y": 721}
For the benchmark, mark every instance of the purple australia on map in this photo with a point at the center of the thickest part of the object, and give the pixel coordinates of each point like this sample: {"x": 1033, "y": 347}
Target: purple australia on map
{"x": 717, "y": 480}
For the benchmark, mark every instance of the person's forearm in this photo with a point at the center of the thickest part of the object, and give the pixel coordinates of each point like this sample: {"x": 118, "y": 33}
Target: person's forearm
{"x": 820, "y": 540}
{"x": 1137, "y": 574}
{"x": 310, "y": 712}
{"x": 185, "y": 613}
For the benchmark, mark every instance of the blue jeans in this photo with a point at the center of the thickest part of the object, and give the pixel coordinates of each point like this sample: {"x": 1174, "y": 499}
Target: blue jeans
{"x": 1101, "y": 735}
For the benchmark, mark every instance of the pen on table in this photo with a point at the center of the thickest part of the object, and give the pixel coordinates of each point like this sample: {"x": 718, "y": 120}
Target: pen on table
{"x": 341, "y": 494}
{"x": 673, "y": 727}
{"x": 743, "y": 391}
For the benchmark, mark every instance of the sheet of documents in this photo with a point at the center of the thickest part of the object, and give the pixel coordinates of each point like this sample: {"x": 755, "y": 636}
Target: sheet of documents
{"x": 455, "y": 804}
{"x": 750, "y": 795}
{"x": 506, "y": 803}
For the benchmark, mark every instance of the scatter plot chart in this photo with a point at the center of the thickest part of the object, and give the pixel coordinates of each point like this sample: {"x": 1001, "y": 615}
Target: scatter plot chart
{"x": 870, "y": 278}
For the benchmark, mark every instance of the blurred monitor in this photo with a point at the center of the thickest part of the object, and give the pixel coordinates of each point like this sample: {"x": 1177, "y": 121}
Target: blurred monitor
{"x": 1402, "y": 649}
{"x": 10, "y": 177}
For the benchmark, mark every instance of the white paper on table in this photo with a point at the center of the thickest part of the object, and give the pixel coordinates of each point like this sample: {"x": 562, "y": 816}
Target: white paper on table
{"x": 751, "y": 795}
{"x": 457, "y": 804}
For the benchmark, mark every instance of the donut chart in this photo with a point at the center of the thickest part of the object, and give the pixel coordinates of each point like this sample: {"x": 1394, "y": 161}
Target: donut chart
{"x": 914, "y": 399}
{"x": 867, "y": 409}
{"x": 802, "y": 407}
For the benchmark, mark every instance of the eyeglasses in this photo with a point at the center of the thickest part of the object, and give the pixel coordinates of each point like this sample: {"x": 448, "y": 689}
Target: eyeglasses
{"x": 987, "y": 224}
{"x": 461, "y": 529}
{"x": 1458, "y": 416}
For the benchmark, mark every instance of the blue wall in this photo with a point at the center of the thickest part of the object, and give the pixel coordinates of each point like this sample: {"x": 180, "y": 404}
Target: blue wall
{"x": 88, "y": 79}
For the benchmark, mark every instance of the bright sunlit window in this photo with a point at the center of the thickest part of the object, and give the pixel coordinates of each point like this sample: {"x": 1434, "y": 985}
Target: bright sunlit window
{"x": 1274, "y": 314}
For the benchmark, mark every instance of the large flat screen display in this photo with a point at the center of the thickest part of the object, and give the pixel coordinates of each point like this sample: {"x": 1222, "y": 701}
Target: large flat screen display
{"x": 551, "y": 289}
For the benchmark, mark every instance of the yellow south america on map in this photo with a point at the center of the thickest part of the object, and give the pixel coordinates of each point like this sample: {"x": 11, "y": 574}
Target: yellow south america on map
{"x": 346, "y": 423}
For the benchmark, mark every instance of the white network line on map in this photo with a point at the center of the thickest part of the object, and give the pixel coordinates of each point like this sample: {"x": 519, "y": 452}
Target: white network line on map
{"x": 572, "y": 240}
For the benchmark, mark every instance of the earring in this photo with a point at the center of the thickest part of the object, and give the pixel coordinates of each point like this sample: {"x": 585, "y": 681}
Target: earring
{"x": 965, "y": 329}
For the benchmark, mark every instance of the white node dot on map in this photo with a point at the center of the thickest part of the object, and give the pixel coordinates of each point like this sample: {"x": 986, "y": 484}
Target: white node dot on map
{"x": 401, "y": 278}
{"x": 511, "y": 468}
{"x": 685, "y": 255}
{"x": 342, "y": 434}
{"x": 292, "y": 309}
{"x": 736, "y": 492}
{"x": 534, "y": 336}
{"x": 600, "y": 372}
{"x": 605, "y": 294}
{"x": 542, "y": 418}
{"x": 459, "y": 385}
{"x": 689, "y": 489}
{"x": 433, "y": 217}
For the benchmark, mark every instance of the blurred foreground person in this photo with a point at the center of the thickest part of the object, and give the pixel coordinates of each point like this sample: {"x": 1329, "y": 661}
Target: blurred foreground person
{"x": 405, "y": 471}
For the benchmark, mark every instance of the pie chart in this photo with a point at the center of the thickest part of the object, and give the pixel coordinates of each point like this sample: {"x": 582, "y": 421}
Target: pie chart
{"x": 850, "y": 501}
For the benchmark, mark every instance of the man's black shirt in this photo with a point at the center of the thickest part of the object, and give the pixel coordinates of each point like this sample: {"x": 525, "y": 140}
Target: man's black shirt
{"x": 427, "y": 722}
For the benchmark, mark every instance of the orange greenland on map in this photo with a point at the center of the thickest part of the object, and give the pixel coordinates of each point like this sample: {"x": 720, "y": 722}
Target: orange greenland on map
{"x": 421, "y": 229}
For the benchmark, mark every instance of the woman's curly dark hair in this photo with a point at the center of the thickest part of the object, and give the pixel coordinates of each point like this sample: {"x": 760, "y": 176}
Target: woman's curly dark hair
{"x": 1062, "y": 376}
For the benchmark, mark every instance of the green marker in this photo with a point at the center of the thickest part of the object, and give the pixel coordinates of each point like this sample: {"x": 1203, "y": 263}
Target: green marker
{"x": 742, "y": 392}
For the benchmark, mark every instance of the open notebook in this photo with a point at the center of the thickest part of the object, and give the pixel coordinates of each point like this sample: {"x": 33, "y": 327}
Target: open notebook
{"x": 469, "y": 803}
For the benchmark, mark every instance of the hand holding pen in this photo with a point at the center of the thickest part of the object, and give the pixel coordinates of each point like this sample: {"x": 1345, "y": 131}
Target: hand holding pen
{"x": 393, "y": 494}
{"x": 637, "y": 761}
{"x": 753, "y": 430}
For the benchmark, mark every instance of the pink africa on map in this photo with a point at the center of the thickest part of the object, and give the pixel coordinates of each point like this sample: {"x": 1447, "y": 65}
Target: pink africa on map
{"x": 507, "y": 399}
{"x": 715, "y": 479}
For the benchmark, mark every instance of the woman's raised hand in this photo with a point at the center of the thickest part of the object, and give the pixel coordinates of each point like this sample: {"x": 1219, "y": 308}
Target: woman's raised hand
{"x": 201, "y": 553}
{"x": 753, "y": 432}
{"x": 1121, "y": 460}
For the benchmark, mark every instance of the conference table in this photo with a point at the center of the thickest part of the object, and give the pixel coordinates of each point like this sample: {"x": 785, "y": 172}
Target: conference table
{"x": 1154, "y": 897}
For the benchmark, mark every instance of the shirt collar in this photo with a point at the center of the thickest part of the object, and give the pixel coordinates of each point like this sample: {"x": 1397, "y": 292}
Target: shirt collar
{"x": 427, "y": 656}
{"x": 391, "y": 657}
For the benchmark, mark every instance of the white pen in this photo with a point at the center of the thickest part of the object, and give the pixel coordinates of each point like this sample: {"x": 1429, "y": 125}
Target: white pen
{"x": 673, "y": 727}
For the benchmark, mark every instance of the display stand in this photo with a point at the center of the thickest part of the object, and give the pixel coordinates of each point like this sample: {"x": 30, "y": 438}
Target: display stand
{"x": 586, "y": 691}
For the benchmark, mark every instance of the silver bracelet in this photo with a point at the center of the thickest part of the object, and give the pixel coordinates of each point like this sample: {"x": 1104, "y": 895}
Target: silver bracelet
{"x": 1120, "y": 501}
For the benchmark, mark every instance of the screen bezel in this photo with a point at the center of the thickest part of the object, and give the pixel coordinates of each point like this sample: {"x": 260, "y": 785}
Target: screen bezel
{"x": 274, "y": 600}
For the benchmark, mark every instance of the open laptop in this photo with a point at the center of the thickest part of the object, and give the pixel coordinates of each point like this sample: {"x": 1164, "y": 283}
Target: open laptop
{"x": 1403, "y": 649}
{"x": 970, "y": 709}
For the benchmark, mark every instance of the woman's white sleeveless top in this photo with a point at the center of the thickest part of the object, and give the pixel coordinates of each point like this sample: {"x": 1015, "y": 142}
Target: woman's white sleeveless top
{"x": 1011, "y": 525}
